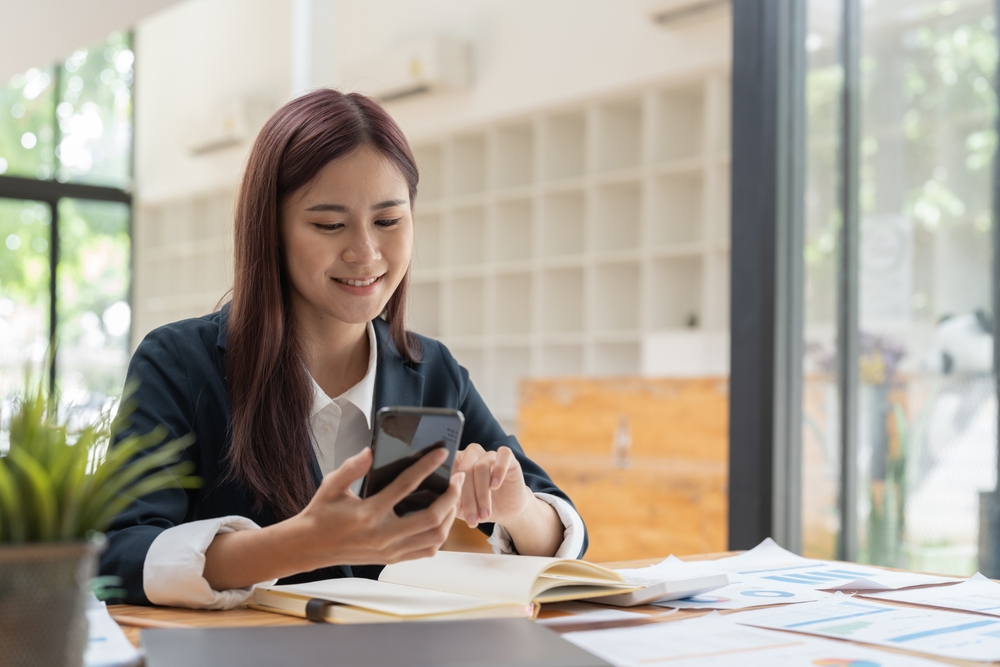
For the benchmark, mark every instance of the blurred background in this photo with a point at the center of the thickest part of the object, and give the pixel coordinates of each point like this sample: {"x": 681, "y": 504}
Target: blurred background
{"x": 572, "y": 231}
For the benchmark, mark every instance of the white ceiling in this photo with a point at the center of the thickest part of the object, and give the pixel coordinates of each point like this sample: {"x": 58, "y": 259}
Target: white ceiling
{"x": 34, "y": 33}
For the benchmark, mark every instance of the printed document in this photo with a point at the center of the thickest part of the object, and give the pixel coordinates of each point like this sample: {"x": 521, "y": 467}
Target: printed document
{"x": 717, "y": 641}
{"x": 573, "y": 613}
{"x": 743, "y": 591}
{"x": 977, "y": 593}
{"x": 107, "y": 645}
{"x": 945, "y": 633}
{"x": 773, "y": 563}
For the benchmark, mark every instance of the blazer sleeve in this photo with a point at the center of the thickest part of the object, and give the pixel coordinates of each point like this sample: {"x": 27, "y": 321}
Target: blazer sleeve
{"x": 482, "y": 427}
{"x": 162, "y": 397}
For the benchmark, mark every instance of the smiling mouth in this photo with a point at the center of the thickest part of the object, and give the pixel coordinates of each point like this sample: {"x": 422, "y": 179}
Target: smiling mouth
{"x": 357, "y": 283}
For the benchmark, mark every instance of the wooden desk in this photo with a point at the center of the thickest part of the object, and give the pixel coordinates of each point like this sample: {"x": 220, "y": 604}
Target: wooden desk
{"x": 134, "y": 618}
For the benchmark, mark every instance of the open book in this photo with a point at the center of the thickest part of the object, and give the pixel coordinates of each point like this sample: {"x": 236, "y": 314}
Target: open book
{"x": 449, "y": 585}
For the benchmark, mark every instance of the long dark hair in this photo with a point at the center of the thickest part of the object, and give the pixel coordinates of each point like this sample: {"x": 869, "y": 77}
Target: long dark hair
{"x": 269, "y": 388}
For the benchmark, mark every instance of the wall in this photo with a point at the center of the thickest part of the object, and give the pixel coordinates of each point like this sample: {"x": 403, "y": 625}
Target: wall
{"x": 191, "y": 60}
{"x": 528, "y": 54}
{"x": 202, "y": 54}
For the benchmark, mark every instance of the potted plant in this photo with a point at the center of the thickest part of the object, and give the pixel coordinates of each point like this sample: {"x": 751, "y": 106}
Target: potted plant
{"x": 59, "y": 490}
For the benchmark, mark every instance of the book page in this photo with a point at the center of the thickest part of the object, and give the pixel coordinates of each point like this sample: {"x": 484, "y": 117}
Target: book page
{"x": 383, "y": 597}
{"x": 496, "y": 577}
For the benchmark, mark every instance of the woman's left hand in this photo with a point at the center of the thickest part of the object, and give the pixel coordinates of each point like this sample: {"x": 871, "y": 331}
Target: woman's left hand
{"x": 494, "y": 487}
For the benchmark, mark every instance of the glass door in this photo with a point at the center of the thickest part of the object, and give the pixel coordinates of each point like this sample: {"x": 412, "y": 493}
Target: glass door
{"x": 920, "y": 107}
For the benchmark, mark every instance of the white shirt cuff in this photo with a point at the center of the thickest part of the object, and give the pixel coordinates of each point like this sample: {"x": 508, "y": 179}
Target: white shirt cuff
{"x": 173, "y": 572}
{"x": 573, "y": 531}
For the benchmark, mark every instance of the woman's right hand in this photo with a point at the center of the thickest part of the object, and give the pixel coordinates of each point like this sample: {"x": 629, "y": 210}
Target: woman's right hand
{"x": 339, "y": 528}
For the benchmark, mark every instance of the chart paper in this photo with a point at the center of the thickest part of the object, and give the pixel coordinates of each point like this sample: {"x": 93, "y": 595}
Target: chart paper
{"x": 716, "y": 641}
{"x": 946, "y": 633}
{"x": 773, "y": 563}
{"x": 977, "y": 593}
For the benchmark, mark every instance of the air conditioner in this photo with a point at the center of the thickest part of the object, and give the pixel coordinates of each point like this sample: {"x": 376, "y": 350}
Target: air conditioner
{"x": 677, "y": 13}
{"x": 426, "y": 66}
{"x": 227, "y": 125}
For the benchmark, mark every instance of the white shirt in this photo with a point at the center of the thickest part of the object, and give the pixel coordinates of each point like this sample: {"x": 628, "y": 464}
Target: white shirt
{"x": 173, "y": 572}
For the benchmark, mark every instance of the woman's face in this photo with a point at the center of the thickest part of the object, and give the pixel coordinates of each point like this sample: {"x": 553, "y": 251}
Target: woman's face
{"x": 348, "y": 237}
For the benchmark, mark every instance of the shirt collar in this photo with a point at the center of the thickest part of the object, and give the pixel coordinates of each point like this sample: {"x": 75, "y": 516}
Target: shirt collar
{"x": 362, "y": 395}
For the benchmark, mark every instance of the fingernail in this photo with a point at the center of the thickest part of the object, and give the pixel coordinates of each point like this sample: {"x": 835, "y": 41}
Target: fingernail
{"x": 495, "y": 483}
{"x": 471, "y": 520}
{"x": 459, "y": 478}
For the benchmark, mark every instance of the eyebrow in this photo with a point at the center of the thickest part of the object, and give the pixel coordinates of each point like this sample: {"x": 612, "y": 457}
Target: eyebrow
{"x": 340, "y": 208}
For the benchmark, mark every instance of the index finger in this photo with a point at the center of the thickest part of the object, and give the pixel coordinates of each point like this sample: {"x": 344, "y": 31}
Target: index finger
{"x": 505, "y": 459}
{"x": 410, "y": 479}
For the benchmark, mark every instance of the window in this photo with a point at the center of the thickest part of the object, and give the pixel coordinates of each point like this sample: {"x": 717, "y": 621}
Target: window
{"x": 65, "y": 220}
{"x": 925, "y": 424}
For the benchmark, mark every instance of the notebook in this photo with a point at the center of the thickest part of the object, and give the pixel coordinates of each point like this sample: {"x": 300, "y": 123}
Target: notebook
{"x": 489, "y": 643}
{"x": 449, "y": 585}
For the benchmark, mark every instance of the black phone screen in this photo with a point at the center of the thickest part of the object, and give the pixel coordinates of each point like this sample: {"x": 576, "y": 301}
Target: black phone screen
{"x": 404, "y": 435}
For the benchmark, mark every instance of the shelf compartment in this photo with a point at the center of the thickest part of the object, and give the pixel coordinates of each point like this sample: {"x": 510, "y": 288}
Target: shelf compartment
{"x": 513, "y": 303}
{"x": 618, "y": 215}
{"x": 723, "y": 205}
{"x": 675, "y": 293}
{"x": 467, "y": 236}
{"x": 563, "y": 223}
{"x": 424, "y": 309}
{"x": 617, "y": 359}
{"x": 619, "y": 135}
{"x": 426, "y": 241}
{"x": 512, "y": 364}
{"x": 468, "y": 172}
{"x": 616, "y": 297}
{"x": 677, "y": 213}
{"x": 564, "y": 147}
{"x": 717, "y": 315}
{"x": 466, "y": 317}
{"x": 562, "y": 300}
{"x": 680, "y": 122}
{"x": 719, "y": 92}
{"x": 562, "y": 360}
{"x": 515, "y": 155}
{"x": 513, "y": 230}
{"x": 429, "y": 164}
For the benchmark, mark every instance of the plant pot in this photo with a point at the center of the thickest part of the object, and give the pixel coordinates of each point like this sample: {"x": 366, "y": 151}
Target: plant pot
{"x": 43, "y": 600}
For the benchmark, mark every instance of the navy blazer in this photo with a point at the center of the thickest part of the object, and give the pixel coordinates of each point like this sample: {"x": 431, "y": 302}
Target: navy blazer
{"x": 181, "y": 374}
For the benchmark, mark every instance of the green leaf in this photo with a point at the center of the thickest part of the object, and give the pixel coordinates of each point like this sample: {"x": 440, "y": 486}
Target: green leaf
{"x": 58, "y": 485}
{"x": 176, "y": 476}
{"x": 40, "y": 485}
{"x": 126, "y": 475}
{"x": 10, "y": 503}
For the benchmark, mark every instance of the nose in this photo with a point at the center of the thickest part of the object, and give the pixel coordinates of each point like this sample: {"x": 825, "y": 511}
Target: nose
{"x": 363, "y": 248}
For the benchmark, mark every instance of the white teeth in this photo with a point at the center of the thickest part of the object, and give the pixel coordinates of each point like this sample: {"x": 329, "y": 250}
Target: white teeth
{"x": 357, "y": 283}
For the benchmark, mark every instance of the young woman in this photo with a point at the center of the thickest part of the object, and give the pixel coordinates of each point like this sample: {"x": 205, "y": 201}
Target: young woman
{"x": 280, "y": 386}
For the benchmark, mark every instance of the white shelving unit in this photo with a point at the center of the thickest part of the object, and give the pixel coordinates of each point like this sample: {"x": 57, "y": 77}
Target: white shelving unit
{"x": 555, "y": 244}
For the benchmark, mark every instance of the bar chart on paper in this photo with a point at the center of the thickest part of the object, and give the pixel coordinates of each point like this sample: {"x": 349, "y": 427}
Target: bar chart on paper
{"x": 717, "y": 641}
{"x": 944, "y": 633}
{"x": 770, "y": 562}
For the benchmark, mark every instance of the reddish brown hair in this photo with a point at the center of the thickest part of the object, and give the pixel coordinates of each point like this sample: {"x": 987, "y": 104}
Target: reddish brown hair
{"x": 269, "y": 388}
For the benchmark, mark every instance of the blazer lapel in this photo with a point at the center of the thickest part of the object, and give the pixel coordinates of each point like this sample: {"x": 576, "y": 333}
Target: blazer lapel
{"x": 395, "y": 382}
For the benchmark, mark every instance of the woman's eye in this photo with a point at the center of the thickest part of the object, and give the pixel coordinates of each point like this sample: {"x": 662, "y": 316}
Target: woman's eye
{"x": 388, "y": 223}
{"x": 327, "y": 227}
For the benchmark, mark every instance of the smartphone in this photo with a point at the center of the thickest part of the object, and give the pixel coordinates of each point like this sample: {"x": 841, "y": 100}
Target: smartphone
{"x": 402, "y": 436}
